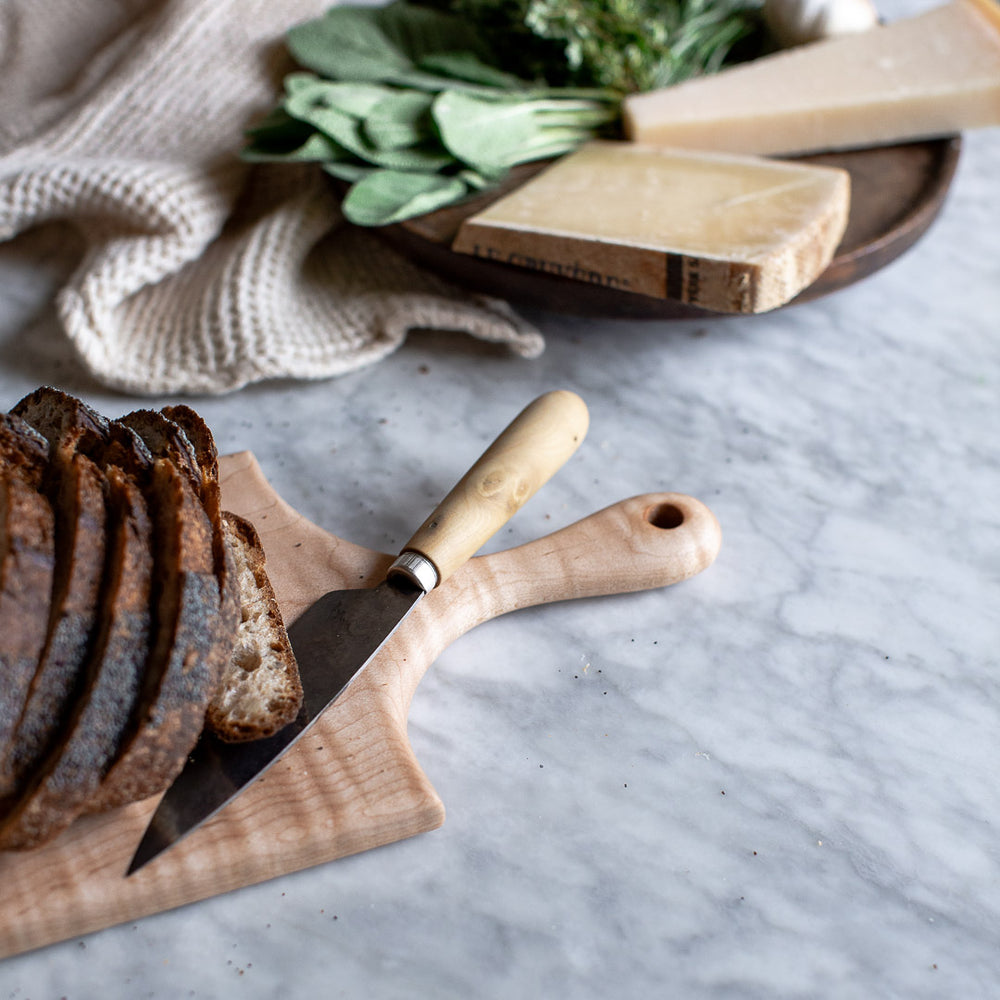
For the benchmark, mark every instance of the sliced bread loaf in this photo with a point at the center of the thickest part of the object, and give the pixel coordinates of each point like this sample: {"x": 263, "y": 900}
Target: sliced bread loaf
{"x": 144, "y": 611}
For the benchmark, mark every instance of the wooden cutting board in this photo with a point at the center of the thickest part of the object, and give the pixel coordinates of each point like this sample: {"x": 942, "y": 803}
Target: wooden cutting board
{"x": 352, "y": 783}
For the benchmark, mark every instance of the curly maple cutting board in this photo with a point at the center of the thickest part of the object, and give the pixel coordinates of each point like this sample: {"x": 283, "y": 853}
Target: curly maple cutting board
{"x": 353, "y": 782}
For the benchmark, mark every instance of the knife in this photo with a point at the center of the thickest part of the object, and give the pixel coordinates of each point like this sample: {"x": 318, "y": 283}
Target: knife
{"x": 337, "y": 636}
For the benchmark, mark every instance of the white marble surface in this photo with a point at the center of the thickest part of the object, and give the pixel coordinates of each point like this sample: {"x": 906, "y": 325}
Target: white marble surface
{"x": 778, "y": 779}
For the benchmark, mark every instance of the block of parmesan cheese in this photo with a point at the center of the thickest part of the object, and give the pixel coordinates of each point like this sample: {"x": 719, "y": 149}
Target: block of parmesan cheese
{"x": 733, "y": 234}
{"x": 930, "y": 75}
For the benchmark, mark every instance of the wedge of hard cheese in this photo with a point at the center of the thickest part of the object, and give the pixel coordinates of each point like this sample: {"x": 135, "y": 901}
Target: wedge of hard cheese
{"x": 731, "y": 234}
{"x": 930, "y": 75}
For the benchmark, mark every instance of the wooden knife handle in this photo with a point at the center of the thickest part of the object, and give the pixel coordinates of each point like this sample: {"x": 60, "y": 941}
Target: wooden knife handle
{"x": 524, "y": 457}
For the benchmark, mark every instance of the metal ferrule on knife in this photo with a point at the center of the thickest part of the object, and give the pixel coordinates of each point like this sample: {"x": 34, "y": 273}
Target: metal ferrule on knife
{"x": 415, "y": 568}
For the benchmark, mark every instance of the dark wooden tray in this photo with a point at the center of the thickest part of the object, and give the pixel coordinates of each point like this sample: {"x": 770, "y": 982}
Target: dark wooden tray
{"x": 896, "y": 193}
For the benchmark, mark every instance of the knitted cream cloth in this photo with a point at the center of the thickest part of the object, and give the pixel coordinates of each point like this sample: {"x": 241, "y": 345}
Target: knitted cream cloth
{"x": 199, "y": 274}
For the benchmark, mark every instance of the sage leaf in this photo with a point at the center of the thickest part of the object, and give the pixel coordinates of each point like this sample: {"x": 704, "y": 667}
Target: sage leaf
{"x": 417, "y": 31}
{"x": 385, "y": 44}
{"x": 316, "y": 148}
{"x": 376, "y": 43}
{"x": 468, "y": 67}
{"x": 430, "y": 158}
{"x": 485, "y": 135}
{"x": 348, "y": 170}
{"x": 491, "y": 136}
{"x": 347, "y": 131}
{"x": 351, "y": 98}
{"x": 338, "y": 125}
{"x": 294, "y": 82}
{"x": 475, "y": 180}
{"x": 402, "y": 118}
{"x": 387, "y": 196}
{"x": 280, "y": 137}
{"x": 347, "y": 43}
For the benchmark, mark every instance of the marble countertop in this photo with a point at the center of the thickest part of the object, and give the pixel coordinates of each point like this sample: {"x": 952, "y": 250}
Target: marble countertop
{"x": 777, "y": 779}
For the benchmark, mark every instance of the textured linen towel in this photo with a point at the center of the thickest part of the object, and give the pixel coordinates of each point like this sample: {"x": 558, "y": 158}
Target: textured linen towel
{"x": 200, "y": 274}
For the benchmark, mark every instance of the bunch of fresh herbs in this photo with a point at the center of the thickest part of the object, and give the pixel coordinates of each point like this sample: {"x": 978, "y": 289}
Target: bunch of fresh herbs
{"x": 625, "y": 45}
{"x": 406, "y": 104}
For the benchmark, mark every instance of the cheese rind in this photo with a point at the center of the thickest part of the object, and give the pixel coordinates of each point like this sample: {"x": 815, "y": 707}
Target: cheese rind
{"x": 732, "y": 234}
{"x": 934, "y": 74}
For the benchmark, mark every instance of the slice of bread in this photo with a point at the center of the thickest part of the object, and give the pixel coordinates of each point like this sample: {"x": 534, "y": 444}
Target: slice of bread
{"x": 260, "y": 691}
{"x": 75, "y": 487}
{"x": 27, "y": 563}
{"x": 62, "y": 419}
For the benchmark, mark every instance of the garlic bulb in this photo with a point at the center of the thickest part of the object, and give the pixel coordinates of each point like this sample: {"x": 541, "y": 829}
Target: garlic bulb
{"x": 794, "y": 22}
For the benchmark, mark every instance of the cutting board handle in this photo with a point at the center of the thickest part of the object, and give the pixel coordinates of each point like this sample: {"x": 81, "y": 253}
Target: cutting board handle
{"x": 523, "y": 458}
{"x": 642, "y": 543}
{"x": 645, "y": 542}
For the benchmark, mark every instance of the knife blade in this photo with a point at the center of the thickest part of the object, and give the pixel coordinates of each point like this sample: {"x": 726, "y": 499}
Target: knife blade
{"x": 338, "y": 635}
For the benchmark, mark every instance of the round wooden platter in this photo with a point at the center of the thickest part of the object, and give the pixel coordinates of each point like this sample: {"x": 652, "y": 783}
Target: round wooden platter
{"x": 896, "y": 193}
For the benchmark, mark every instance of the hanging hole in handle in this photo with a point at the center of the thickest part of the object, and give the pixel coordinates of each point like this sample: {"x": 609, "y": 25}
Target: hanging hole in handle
{"x": 665, "y": 515}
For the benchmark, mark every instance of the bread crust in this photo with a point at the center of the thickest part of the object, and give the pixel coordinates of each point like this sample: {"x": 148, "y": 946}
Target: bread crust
{"x": 165, "y": 439}
{"x": 196, "y": 431}
{"x": 23, "y": 450}
{"x": 63, "y": 420}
